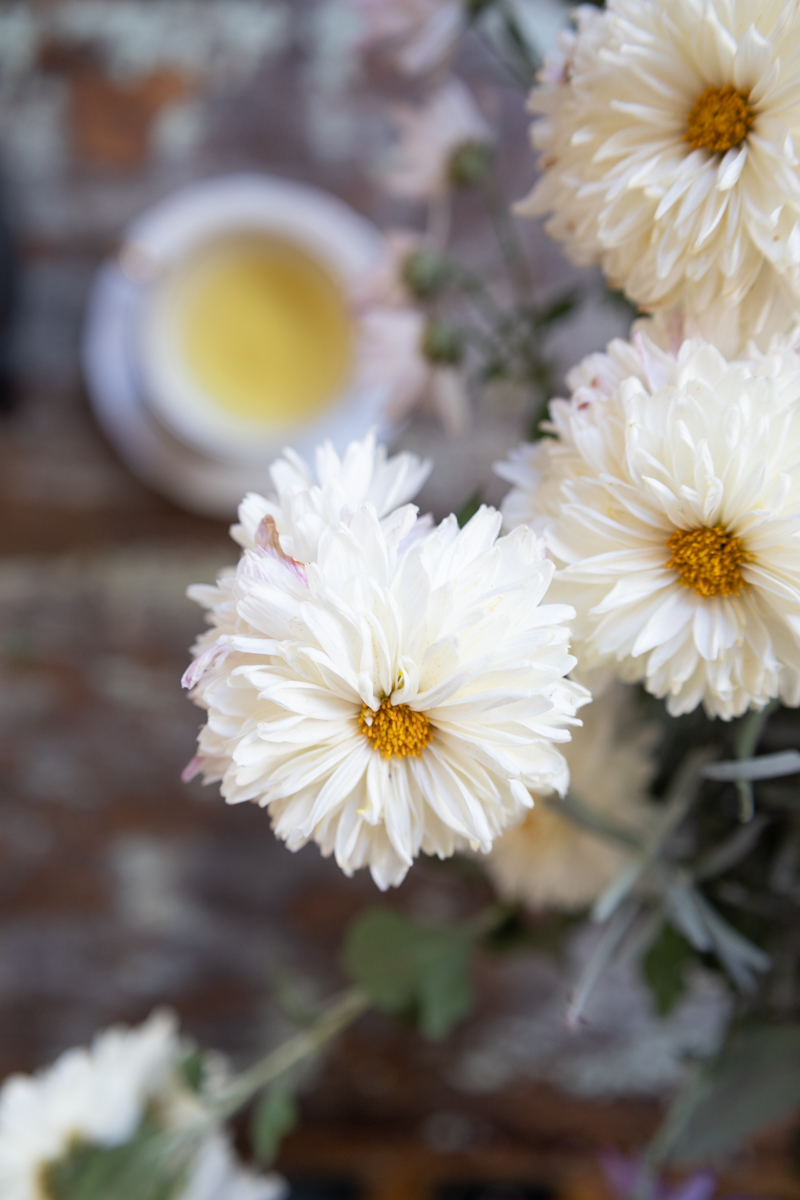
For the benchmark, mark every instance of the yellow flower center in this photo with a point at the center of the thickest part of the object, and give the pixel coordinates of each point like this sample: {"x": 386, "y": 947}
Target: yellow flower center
{"x": 721, "y": 119}
{"x": 395, "y": 729}
{"x": 708, "y": 560}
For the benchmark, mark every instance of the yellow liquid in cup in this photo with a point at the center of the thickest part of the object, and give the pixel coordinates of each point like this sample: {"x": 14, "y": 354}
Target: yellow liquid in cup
{"x": 264, "y": 329}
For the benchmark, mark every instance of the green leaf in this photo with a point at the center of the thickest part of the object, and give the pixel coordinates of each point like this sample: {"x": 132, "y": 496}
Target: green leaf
{"x": 664, "y": 969}
{"x": 193, "y": 1070}
{"x": 142, "y": 1169}
{"x": 753, "y": 1084}
{"x": 445, "y": 987}
{"x": 558, "y": 310}
{"x": 405, "y": 967}
{"x": 469, "y": 508}
{"x": 275, "y": 1115}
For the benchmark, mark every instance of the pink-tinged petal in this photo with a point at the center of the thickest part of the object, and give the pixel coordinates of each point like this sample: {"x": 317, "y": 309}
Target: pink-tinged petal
{"x": 192, "y": 768}
{"x": 212, "y": 656}
{"x": 268, "y": 539}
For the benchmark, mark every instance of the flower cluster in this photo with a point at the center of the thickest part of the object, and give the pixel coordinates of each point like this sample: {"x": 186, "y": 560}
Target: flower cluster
{"x": 99, "y": 1099}
{"x": 382, "y": 686}
{"x": 667, "y": 489}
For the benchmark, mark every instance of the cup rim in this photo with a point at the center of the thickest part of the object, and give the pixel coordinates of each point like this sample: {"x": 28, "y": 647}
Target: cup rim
{"x": 342, "y": 241}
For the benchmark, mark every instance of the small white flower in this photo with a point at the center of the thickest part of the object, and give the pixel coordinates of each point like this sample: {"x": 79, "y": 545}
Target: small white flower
{"x": 397, "y": 691}
{"x": 421, "y": 33}
{"x": 669, "y": 133}
{"x": 550, "y": 862}
{"x": 670, "y": 496}
{"x": 99, "y": 1097}
{"x": 429, "y": 137}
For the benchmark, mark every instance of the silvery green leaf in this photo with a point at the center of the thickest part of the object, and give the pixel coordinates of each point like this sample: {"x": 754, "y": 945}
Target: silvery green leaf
{"x": 617, "y": 891}
{"x": 765, "y": 766}
{"x": 707, "y": 930}
{"x": 604, "y": 954}
{"x": 754, "y": 1083}
{"x": 681, "y": 899}
{"x": 741, "y": 959}
{"x": 731, "y": 851}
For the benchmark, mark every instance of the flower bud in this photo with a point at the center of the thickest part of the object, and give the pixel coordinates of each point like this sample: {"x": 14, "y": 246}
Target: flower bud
{"x": 426, "y": 273}
{"x": 470, "y": 164}
{"x": 442, "y": 343}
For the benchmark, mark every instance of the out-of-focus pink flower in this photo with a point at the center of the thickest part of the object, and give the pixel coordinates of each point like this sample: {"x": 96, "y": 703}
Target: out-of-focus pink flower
{"x": 429, "y": 137}
{"x": 385, "y": 283}
{"x": 420, "y": 34}
{"x": 392, "y": 343}
{"x": 392, "y": 355}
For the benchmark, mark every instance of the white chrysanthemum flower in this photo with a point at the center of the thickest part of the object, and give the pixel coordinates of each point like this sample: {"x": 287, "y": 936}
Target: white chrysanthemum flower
{"x": 421, "y": 33}
{"x": 548, "y": 861}
{"x": 99, "y": 1097}
{"x": 430, "y": 136}
{"x": 670, "y": 496}
{"x": 667, "y": 139}
{"x": 398, "y": 691}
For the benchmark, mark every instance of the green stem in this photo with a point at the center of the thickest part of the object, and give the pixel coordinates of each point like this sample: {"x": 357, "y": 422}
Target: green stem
{"x": 474, "y": 287}
{"x": 342, "y": 1012}
{"x": 508, "y": 239}
{"x": 748, "y": 735}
